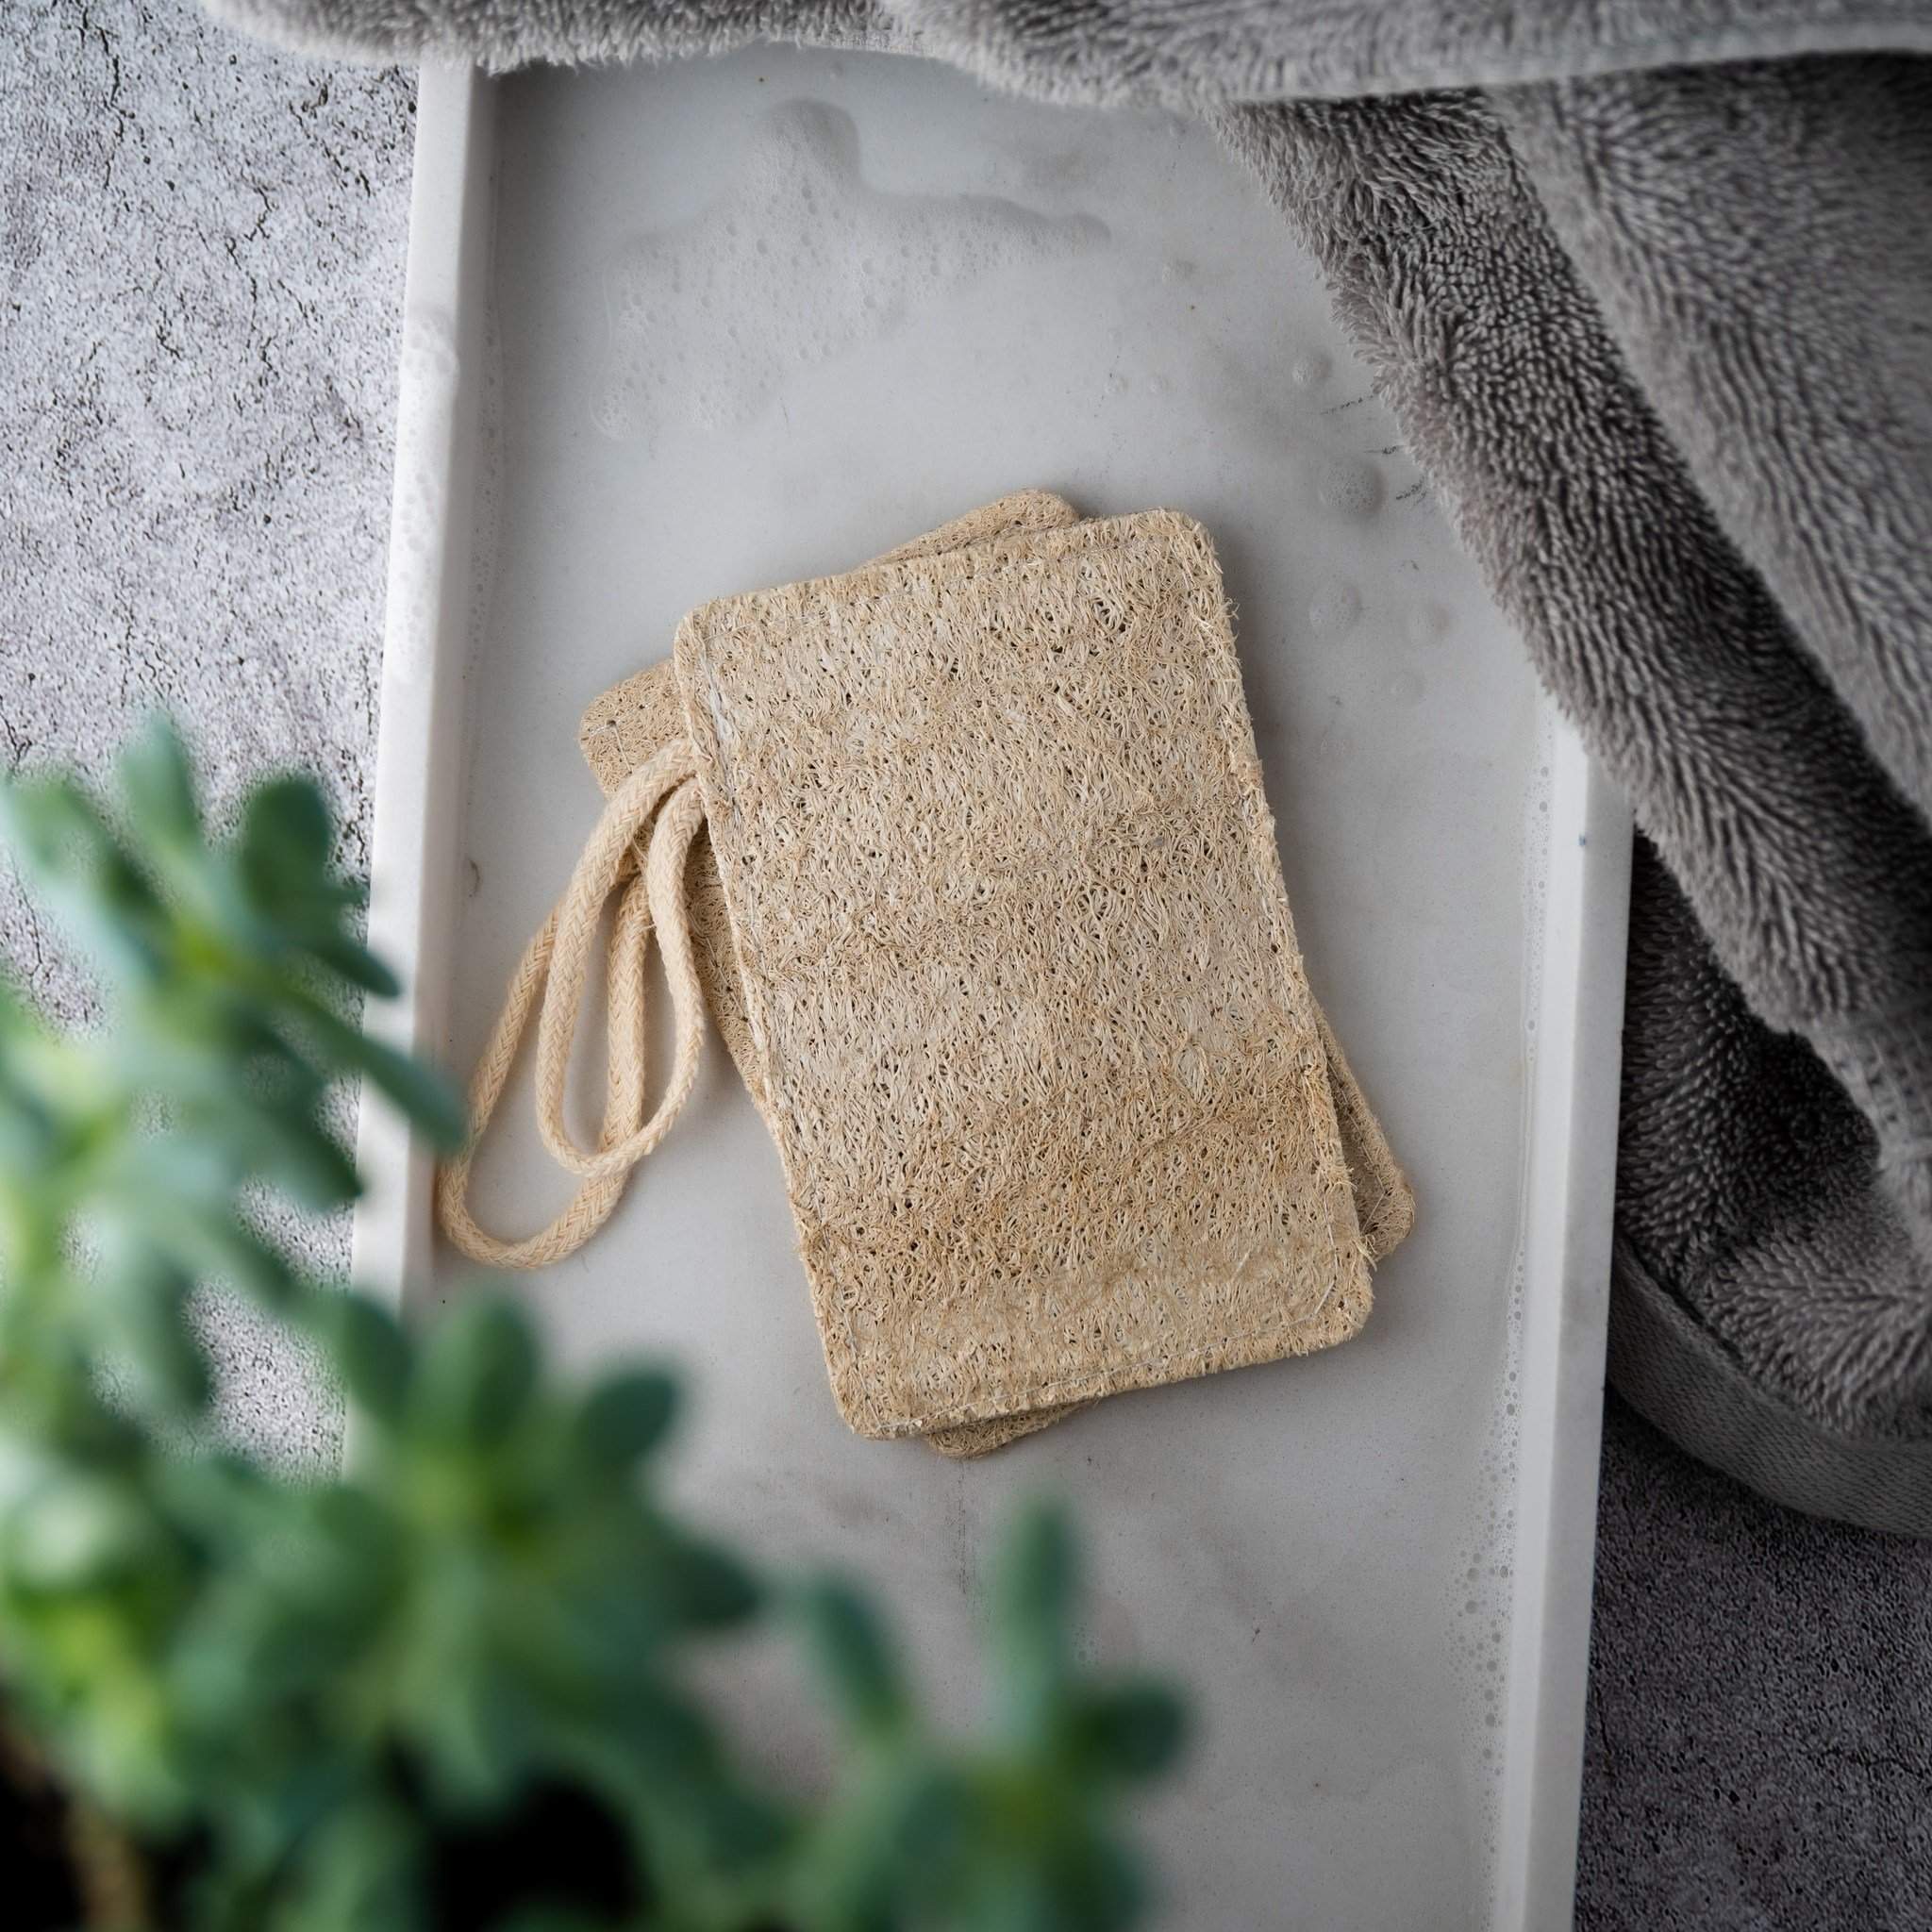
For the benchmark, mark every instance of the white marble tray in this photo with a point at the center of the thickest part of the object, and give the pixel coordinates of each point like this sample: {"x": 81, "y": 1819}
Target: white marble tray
{"x": 675, "y": 333}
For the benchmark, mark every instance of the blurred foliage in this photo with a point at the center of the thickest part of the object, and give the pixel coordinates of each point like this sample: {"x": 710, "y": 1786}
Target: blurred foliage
{"x": 455, "y": 1686}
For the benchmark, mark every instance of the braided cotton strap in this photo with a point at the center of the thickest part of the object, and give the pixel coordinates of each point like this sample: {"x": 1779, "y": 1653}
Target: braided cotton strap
{"x": 553, "y": 967}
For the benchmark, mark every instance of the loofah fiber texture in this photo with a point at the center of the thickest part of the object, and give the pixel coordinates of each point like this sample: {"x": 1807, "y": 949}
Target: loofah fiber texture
{"x": 1020, "y": 978}
{"x": 993, "y": 909}
{"x": 629, "y": 723}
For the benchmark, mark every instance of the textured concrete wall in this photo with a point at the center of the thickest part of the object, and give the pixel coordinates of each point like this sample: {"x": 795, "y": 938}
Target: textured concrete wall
{"x": 203, "y": 254}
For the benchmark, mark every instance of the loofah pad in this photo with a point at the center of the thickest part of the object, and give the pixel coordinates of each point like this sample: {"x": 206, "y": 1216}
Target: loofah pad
{"x": 1020, "y": 980}
{"x": 1385, "y": 1210}
{"x": 633, "y": 720}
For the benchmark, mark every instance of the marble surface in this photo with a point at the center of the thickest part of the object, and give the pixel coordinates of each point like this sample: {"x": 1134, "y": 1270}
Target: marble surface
{"x": 774, "y": 314}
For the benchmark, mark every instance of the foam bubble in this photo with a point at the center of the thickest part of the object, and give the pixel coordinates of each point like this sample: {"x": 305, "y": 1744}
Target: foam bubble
{"x": 1349, "y": 486}
{"x": 1335, "y": 607}
{"x": 1311, "y": 369}
{"x": 1427, "y": 623}
{"x": 427, "y": 375}
{"x": 1483, "y": 1589}
{"x": 799, "y": 260}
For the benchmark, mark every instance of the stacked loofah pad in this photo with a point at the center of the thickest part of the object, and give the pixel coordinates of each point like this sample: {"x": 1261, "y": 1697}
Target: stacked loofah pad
{"x": 987, "y": 908}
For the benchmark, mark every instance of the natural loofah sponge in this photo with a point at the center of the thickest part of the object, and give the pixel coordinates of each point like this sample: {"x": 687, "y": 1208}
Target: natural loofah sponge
{"x": 626, "y": 724}
{"x": 1021, "y": 983}
{"x": 968, "y": 853}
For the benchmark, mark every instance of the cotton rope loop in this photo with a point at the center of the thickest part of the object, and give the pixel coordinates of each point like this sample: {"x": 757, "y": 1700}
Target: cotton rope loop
{"x": 653, "y": 897}
{"x": 597, "y": 873}
{"x": 625, "y": 1077}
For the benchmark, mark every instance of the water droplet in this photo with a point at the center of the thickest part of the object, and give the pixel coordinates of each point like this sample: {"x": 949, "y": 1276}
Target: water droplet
{"x": 1311, "y": 369}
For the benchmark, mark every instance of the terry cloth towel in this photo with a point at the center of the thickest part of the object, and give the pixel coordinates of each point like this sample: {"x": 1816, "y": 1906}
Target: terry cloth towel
{"x": 1022, "y": 996}
{"x": 1651, "y": 292}
{"x": 629, "y": 723}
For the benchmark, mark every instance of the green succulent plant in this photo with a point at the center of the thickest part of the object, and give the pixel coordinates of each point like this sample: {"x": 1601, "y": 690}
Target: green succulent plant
{"x": 452, "y": 1686}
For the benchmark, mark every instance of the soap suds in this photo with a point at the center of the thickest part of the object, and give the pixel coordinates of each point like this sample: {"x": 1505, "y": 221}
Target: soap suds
{"x": 427, "y": 371}
{"x": 1481, "y": 1591}
{"x": 1428, "y": 622}
{"x": 694, "y": 332}
{"x": 1335, "y": 607}
{"x": 1311, "y": 369}
{"x": 1349, "y": 486}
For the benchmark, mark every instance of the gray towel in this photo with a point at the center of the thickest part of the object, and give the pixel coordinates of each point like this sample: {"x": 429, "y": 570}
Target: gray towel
{"x": 1784, "y": 1211}
{"x": 1651, "y": 293}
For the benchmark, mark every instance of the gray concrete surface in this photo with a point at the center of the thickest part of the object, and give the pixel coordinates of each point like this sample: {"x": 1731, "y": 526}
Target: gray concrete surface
{"x": 203, "y": 252}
